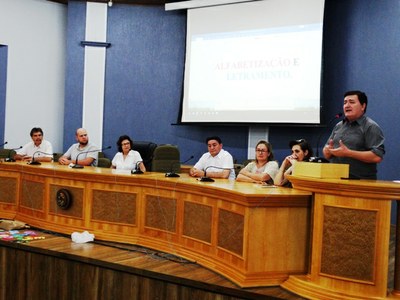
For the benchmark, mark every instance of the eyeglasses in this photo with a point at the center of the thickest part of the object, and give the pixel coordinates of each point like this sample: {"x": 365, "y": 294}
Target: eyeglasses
{"x": 261, "y": 151}
{"x": 125, "y": 144}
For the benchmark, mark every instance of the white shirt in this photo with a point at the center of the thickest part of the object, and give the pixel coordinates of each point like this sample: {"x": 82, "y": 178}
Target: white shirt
{"x": 45, "y": 148}
{"x": 127, "y": 163}
{"x": 223, "y": 161}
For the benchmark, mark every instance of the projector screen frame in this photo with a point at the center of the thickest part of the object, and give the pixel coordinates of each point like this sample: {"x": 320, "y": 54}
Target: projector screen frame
{"x": 302, "y": 121}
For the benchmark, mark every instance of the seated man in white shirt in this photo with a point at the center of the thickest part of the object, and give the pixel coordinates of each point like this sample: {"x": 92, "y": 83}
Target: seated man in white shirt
{"x": 216, "y": 163}
{"x": 38, "y": 149}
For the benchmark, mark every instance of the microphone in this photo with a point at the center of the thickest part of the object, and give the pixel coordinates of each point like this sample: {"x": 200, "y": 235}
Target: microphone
{"x": 9, "y": 158}
{"x": 35, "y": 162}
{"x": 317, "y": 158}
{"x": 5, "y": 143}
{"x": 78, "y": 166}
{"x": 208, "y": 179}
{"x": 172, "y": 173}
{"x": 137, "y": 168}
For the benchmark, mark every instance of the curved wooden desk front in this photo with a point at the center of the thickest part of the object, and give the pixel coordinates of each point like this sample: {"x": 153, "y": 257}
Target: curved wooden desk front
{"x": 252, "y": 235}
{"x": 350, "y": 239}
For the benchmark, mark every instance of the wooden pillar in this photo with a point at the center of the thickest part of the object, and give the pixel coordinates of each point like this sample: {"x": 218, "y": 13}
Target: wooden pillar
{"x": 396, "y": 289}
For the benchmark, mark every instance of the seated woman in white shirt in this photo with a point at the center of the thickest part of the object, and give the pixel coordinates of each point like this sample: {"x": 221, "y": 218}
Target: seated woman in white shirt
{"x": 263, "y": 168}
{"x": 126, "y": 158}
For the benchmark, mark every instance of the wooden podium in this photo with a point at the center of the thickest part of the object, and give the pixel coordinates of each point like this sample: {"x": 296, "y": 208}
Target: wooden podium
{"x": 350, "y": 239}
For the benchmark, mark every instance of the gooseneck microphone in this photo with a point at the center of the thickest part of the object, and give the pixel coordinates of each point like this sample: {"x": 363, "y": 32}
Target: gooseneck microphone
{"x": 208, "y": 179}
{"x": 78, "y": 166}
{"x": 172, "y": 173}
{"x": 322, "y": 159}
{"x": 137, "y": 168}
{"x": 35, "y": 162}
{"x": 9, "y": 158}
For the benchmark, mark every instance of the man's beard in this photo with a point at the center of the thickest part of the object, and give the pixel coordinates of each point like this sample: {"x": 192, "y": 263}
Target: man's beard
{"x": 83, "y": 144}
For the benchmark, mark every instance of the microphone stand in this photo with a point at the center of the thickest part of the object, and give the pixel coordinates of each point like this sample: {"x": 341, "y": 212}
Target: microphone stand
{"x": 205, "y": 178}
{"x": 137, "y": 168}
{"x": 78, "y": 166}
{"x": 317, "y": 158}
{"x": 172, "y": 173}
{"x": 208, "y": 179}
{"x": 34, "y": 162}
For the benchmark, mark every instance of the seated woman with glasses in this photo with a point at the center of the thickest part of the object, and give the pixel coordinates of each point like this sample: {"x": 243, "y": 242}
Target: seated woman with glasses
{"x": 301, "y": 151}
{"x": 126, "y": 158}
{"x": 263, "y": 168}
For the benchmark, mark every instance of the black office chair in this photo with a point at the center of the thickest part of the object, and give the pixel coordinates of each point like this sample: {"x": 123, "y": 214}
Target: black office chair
{"x": 247, "y": 161}
{"x": 56, "y": 156}
{"x": 166, "y": 159}
{"x": 146, "y": 150}
{"x": 237, "y": 168}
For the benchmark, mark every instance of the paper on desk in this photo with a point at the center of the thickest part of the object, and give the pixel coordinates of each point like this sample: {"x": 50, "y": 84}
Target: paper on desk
{"x": 268, "y": 186}
{"x": 83, "y": 237}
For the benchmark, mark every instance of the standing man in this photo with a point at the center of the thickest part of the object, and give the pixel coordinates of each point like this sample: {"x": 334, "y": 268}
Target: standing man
{"x": 216, "y": 163}
{"x": 89, "y": 151}
{"x": 357, "y": 140}
{"x": 38, "y": 149}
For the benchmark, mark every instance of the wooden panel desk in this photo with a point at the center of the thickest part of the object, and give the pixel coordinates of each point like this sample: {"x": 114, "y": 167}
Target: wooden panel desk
{"x": 252, "y": 235}
{"x": 350, "y": 239}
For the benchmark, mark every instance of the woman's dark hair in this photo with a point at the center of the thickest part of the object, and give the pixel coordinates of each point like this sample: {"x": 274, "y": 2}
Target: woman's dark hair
{"x": 269, "y": 147}
{"x": 304, "y": 145}
{"x": 122, "y": 138}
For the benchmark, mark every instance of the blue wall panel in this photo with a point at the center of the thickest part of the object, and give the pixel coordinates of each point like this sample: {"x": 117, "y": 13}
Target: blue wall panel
{"x": 362, "y": 45}
{"x": 145, "y": 64}
{"x": 144, "y": 78}
{"x": 75, "y": 71}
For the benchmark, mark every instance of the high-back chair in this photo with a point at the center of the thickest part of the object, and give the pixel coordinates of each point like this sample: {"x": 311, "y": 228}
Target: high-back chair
{"x": 146, "y": 150}
{"x": 237, "y": 168}
{"x": 103, "y": 162}
{"x": 166, "y": 159}
{"x": 7, "y": 153}
{"x": 56, "y": 156}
